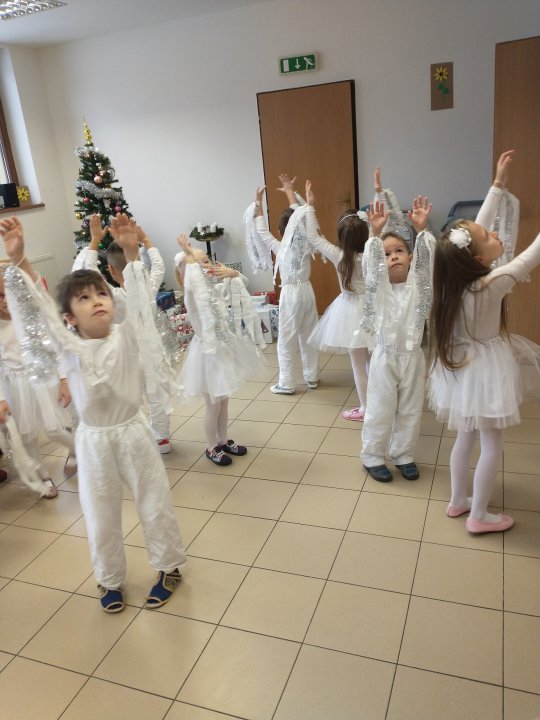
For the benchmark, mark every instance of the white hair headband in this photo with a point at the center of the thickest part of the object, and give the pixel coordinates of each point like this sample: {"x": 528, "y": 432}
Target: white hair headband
{"x": 460, "y": 236}
{"x": 360, "y": 214}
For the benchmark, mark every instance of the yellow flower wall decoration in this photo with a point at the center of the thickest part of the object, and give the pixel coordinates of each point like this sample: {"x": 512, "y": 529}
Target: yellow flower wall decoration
{"x": 23, "y": 194}
{"x": 442, "y": 85}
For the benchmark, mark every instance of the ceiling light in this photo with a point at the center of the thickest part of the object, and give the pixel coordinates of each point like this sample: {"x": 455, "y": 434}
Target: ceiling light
{"x": 11, "y": 9}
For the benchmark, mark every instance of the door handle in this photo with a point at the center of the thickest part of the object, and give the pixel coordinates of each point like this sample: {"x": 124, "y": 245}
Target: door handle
{"x": 346, "y": 200}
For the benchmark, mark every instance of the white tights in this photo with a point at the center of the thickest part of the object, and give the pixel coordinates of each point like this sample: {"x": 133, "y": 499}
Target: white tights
{"x": 216, "y": 420}
{"x": 360, "y": 368}
{"x": 491, "y": 442}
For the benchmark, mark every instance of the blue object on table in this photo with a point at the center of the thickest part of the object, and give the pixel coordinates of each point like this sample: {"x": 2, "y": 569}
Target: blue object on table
{"x": 165, "y": 299}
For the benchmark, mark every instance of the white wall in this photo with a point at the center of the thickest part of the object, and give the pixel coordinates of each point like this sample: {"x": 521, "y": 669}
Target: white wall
{"x": 174, "y": 106}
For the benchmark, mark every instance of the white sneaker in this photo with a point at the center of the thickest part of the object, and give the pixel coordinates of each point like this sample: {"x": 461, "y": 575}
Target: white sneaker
{"x": 164, "y": 446}
{"x": 312, "y": 384}
{"x": 278, "y": 390}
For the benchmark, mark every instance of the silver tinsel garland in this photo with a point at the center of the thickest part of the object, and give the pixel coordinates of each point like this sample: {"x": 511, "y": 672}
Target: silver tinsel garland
{"x": 99, "y": 193}
{"x": 37, "y": 350}
{"x": 423, "y": 281}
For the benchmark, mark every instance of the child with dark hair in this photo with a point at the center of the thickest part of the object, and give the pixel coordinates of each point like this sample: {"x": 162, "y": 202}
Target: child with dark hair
{"x": 339, "y": 330}
{"x": 297, "y": 307}
{"x": 113, "y": 440}
{"x": 397, "y": 302}
{"x": 158, "y": 396}
{"x": 475, "y": 382}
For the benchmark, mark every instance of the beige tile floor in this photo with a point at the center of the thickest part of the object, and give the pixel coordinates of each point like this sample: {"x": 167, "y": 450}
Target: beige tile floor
{"x": 312, "y": 593}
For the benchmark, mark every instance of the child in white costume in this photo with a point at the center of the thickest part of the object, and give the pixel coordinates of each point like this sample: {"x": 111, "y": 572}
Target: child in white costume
{"x": 397, "y": 302}
{"x": 476, "y": 385}
{"x": 297, "y": 307}
{"x": 36, "y": 403}
{"x": 222, "y": 354}
{"x": 113, "y": 440}
{"x": 158, "y": 396}
{"x": 339, "y": 328}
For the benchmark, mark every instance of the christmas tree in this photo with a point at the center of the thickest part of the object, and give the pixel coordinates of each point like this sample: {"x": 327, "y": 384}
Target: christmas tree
{"x": 97, "y": 192}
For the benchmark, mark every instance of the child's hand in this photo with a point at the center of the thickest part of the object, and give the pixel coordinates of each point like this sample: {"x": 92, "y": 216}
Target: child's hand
{"x": 124, "y": 232}
{"x": 11, "y": 231}
{"x": 287, "y": 185}
{"x": 186, "y": 247}
{"x": 310, "y": 196}
{"x": 222, "y": 271}
{"x": 64, "y": 396}
{"x": 259, "y": 194}
{"x": 377, "y": 217}
{"x": 5, "y": 412}
{"x": 503, "y": 166}
{"x": 97, "y": 233}
{"x": 377, "y": 184}
{"x": 419, "y": 213}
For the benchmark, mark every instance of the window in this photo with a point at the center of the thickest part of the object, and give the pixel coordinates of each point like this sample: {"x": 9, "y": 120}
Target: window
{"x": 8, "y": 172}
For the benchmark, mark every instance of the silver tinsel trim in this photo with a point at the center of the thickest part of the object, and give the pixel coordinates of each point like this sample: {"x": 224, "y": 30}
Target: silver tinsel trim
{"x": 37, "y": 350}
{"x": 171, "y": 345}
{"x": 376, "y": 268}
{"x": 222, "y": 320}
{"x": 97, "y": 192}
{"x": 423, "y": 282}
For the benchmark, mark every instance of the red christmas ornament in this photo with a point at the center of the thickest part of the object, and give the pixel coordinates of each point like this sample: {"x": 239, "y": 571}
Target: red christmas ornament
{"x": 86, "y": 201}
{"x": 117, "y": 209}
{"x": 98, "y": 179}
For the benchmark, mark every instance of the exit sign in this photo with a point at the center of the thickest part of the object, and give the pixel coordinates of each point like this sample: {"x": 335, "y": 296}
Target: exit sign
{"x": 297, "y": 64}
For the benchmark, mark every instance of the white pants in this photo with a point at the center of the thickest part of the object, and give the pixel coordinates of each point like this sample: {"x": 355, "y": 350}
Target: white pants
{"x": 160, "y": 420}
{"x": 107, "y": 457}
{"x": 297, "y": 318}
{"x": 395, "y": 398}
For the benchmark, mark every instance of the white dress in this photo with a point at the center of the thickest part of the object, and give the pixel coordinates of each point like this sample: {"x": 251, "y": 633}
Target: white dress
{"x": 499, "y": 371}
{"x": 219, "y": 358}
{"x": 339, "y": 328}
{"x": 35, "y": 406}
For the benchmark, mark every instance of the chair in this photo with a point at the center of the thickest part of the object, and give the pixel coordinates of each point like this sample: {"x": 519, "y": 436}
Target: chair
{"x": 463, "y": 209}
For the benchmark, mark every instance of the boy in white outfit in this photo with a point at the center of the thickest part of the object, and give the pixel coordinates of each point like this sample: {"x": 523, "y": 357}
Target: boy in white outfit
{"x": 158, "y": 397}
{"x": 397, "y": 304}
{"x": 113, "y": 440}
{"x": 297, "y": 307}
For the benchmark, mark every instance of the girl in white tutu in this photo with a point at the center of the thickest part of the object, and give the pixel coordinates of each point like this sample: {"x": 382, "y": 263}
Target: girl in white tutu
{"x": 339, "y": 330}
{"x": 222, "y": 355}
{"x": 36, "y": 406}
{"x": 475, "y": 381}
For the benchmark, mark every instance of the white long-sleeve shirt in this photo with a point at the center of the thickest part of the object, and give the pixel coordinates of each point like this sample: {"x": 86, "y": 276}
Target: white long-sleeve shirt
{"x": 105, "y": 375}
{"x": 289, "y": 275}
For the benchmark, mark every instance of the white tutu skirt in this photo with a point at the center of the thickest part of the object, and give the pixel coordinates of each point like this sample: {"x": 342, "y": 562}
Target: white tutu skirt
{"x": 488, "y": 390}
{"x": 35, "y": 406}
{"x": 221, "y": 374}
{"x": 339, "y": 328}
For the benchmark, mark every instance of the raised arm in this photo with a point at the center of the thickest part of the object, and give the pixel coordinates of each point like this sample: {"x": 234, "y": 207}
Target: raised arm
{"x": 386, "y": 196}
{"x": 488, "y": 212}
{"x": 317, "y": 241}
{"x": 262, "y": 229}
{"x": 87, "y": 259}
{"x": 287, "y": 188}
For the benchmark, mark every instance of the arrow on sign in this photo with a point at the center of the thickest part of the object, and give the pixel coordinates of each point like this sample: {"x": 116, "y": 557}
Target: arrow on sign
{"x": 297, "y": 66}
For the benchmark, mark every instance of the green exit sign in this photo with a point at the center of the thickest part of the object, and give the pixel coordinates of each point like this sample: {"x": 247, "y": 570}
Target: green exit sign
{"x": 297, "y": 64}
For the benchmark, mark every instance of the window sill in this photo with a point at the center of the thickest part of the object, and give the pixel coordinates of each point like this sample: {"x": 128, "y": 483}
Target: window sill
{"x": 7, "y": 211}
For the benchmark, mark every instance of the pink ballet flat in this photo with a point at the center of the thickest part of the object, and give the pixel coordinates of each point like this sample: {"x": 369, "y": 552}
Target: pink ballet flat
{"x": 479, "y": 527}
{"x": 455, "y": 511}
{"x": 354, "y": 414}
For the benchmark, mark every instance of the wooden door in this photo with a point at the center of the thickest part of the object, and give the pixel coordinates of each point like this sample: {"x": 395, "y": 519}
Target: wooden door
{"x": 310, "y": 133}
{"x": 517, "y": 125}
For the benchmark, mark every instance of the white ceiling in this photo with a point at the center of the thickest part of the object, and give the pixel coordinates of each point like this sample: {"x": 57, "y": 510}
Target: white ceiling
{"x": 89, "y": 18}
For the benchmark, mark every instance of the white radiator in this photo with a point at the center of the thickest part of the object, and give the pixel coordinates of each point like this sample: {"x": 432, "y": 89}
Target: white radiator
{"x": 45, "y": 265}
